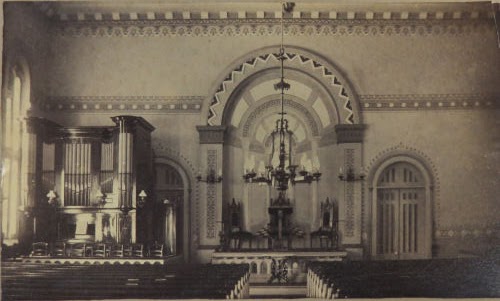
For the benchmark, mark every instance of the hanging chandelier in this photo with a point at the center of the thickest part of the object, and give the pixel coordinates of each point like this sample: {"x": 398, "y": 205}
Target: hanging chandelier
{"x": 280, "y": 170}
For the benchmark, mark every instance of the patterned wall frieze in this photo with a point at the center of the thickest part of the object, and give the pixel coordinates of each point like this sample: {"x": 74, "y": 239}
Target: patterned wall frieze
{"x": 251, "y": 23}
{"x": 470, "y": 231}
{"x": 142, "y": 104}
{"x": 398, "y": 102}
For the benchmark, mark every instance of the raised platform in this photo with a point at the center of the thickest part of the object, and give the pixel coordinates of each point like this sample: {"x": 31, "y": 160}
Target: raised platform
{"x": 100, "y": 261}
{"x": 278, "y": 291}
{"x": 262, "y": 262}
{"x": 223, "y": 257}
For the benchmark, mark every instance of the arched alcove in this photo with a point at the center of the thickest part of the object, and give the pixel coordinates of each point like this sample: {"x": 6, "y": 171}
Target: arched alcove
{"x": 315, "y": 104}
{"x": 171, "y": 216}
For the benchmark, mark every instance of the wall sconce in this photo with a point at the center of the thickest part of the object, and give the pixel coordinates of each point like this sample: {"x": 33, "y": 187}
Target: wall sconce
{"x": 350, "y": 175}
{"x": 211, "y": 177}
{"x": 52, "y": 198}
{"x": 28, "y": 211}
{"x": 100, "y": 200}
{"x": 249, "y": 175}
{"x": 307, "y": 176}
{"x": 142, "y": 199}
{"x": 140, "y": 203}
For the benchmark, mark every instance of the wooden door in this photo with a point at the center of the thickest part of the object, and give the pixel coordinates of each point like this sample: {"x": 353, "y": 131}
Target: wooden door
{"x": 400, "y": 214}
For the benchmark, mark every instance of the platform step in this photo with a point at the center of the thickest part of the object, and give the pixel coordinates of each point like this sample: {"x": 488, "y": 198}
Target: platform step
{"x": 280, "y": 291}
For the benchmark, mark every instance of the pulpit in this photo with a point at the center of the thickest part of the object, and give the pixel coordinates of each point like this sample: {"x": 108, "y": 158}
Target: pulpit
{"x": 279, "y": 226}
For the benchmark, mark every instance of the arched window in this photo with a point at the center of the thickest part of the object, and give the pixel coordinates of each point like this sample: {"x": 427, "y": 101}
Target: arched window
{"x": 16, "y": 102}
{"x": 401, "y": 210}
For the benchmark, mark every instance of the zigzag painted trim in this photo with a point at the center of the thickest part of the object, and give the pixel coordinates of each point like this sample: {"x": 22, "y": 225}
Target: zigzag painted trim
{"x": 212, "y": 114}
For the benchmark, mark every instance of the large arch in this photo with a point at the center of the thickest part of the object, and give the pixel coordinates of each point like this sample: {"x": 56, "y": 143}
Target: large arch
{"x": 329, "y": 76}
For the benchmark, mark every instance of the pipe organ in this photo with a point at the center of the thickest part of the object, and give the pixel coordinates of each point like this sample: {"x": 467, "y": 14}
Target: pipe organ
{"x": 96, "y": 174}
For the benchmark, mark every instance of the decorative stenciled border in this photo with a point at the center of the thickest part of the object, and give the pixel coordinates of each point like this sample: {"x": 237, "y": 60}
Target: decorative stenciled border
{"x": 421, "y": 21}
{"x": 143, "y": 104}
{"x": 475, "y": 231}
{"x": 349, "y": 195}
{"x": 429, "y": 102}
{"x": 296, "y": 27}
{"x": 211, "y": 195}
{"x": 343, "y": 96}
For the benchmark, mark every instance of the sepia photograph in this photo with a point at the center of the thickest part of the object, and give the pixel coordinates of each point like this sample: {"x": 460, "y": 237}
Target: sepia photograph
{"x": 253, "y": 149}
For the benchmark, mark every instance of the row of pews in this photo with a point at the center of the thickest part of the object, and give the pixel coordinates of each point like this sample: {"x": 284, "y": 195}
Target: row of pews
{"x": 436, "y": 278}
{"x": 21, "y": 281}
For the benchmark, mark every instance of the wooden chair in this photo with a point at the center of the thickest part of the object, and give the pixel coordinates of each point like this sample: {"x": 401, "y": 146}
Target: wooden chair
{"x": 236, "y": 234}
{"x": 40, "y": 249}
{"x": 116, "y": 250}
{"x": 100, "y": 250}
{"x": 59, "y": 249}
{"x": 77, "y": 250}
{"x": 156, "y": 250}
{"x": 328, "y": 229}
{"x": 137, "y": 250}
{"x": 127, "y": 250}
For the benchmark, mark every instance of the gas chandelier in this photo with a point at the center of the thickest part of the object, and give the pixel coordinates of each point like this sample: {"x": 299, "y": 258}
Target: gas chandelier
{"x": 280, "y": 170}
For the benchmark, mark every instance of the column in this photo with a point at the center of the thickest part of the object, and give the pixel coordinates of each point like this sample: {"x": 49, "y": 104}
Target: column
{"x": 126, "y": 192}
{"x": 32, "y": 145}
{"x": 98, "y": 226}
{"x": 314, "y": 185}
{"x": 349, "y": 139}
{"x": 211, "y": 156}
{"x": 246, "y": 194}
{"x": 37, "y": 214}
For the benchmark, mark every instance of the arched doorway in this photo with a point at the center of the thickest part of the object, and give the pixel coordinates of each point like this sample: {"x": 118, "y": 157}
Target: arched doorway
{"x": 401, "y": 211}
{"x": 169, "y": 218}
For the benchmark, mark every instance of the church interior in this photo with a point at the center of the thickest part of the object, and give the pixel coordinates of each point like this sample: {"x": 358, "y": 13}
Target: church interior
{"x": 250, "y": 149}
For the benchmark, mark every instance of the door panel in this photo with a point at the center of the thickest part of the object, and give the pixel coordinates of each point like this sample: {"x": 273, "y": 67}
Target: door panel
{"x": 401, "y": 223}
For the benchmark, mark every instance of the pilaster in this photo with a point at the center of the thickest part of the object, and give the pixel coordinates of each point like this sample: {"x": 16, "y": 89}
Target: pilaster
{"x": 349, "y": 139}
{"x": 211, "y": 161}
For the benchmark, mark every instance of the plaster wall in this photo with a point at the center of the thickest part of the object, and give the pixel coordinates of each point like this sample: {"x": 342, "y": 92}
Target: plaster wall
{"x": 26, "y": 35}
{"x": 463, "y": 151}
{"x": 375, "y": 64}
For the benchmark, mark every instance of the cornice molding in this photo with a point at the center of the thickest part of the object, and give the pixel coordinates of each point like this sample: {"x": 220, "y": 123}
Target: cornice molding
{"x": 350, "y": 133}
{"x": 142, "y": 104}
{"x": 211, "y": 134}
{"x": 334, "y": 13}
{"x": 401, "y": 102}
{"x": 270, "y": 27}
